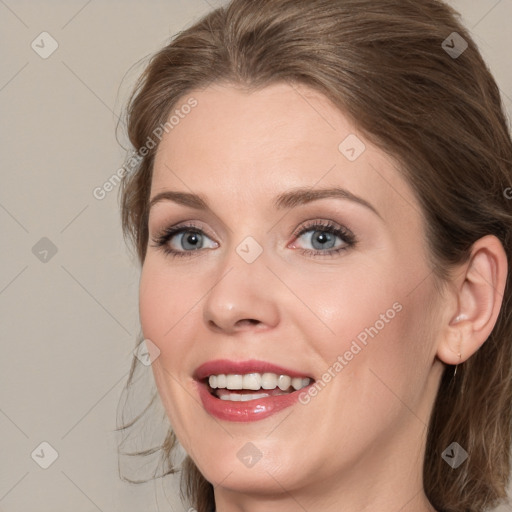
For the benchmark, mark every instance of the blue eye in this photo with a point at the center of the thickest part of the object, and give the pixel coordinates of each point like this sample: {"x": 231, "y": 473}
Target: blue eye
{"x": 190, "y": 236}
{"x": 324, "y": 236}
{"x": 191, "y": 239}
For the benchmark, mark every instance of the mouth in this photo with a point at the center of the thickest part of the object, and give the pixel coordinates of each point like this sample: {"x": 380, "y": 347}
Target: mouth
{"x": 248, "y": 390}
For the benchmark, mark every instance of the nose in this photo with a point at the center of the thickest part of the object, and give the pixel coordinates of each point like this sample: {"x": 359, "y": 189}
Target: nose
{"x": 242, "y": 297}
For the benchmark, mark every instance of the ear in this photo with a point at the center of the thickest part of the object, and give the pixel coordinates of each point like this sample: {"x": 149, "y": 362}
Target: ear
{"x": 475, "y": 301}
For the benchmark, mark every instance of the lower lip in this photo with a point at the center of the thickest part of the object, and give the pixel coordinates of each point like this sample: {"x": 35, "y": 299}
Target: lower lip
{"x": 252, "y": 410}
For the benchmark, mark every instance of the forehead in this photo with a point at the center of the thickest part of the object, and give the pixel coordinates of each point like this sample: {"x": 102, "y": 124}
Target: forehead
{"x": 237, "y": 145}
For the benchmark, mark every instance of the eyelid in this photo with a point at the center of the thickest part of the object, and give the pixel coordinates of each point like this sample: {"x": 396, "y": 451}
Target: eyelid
{"x": 162, "y": 239}
{"x": 321, "y": 223}
{"x": 300, "y": 230}
{"x": 342, "y": 232}
{"x": 185, "y": 225}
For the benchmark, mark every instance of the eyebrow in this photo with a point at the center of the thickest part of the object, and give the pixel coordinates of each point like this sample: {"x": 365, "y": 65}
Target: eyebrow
{"x": 287, "y": 200}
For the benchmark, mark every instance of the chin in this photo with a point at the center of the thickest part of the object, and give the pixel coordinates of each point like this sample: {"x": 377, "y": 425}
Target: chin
{"x": 249, "y": 480}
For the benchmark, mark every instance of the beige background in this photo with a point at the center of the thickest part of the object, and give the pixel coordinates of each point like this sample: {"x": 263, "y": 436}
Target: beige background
{"x": 69, "y": 324}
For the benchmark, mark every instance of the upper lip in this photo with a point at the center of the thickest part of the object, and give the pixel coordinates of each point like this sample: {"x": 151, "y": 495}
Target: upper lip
{"x": 226, "y": 366}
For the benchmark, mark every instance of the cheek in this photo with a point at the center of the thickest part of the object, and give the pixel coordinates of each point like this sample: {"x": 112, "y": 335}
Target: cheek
{"x": 166, "y": 302}
{"x": 373, "y": 327}
{"x": 164, "y": 298}
{"x": 348, "y": 305}
{"x": 375, "y": 366}
{"x": 392, "y": 342}
{"x": 162, "y": 310}
{"x": 153, "y": 301}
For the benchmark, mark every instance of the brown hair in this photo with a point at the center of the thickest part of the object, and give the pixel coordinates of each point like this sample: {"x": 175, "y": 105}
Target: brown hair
{"x": 383, "y": 63}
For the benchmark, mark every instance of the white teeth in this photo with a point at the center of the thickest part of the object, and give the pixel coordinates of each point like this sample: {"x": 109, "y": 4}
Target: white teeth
{"x": 221, "y": 381}
{"x": 256, "y": 381}
{"x": 234, "y": 381}
{"x": 284, "y": 382}
{"x": 269, "y": 381}
{"x": 297, "y": 383}
{"x": 252, "y": 381}
{"x": 235, "y": 397}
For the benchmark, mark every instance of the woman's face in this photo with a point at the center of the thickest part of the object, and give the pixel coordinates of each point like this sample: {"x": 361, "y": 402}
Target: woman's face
{"x": 334, "y": 287}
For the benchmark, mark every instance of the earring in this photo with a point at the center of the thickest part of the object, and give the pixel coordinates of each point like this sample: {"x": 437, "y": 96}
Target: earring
{"x": 456, "y": 366}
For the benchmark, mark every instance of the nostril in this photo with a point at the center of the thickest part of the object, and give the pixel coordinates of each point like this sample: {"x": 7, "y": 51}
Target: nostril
{"x": 250, "y": 321}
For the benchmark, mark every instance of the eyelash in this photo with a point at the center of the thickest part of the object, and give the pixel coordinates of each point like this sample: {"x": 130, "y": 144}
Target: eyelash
{"x": 346, "y": 236}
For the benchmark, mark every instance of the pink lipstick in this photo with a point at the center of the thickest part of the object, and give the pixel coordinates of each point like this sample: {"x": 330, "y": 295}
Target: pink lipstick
{"x": 250, "y": 390}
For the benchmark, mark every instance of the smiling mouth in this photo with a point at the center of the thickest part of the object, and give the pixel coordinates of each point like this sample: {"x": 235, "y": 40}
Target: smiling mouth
{"x": 253, "y": 386}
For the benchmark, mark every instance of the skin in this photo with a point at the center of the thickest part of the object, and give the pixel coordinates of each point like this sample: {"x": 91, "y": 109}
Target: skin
{"x": 360, "y": 441}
